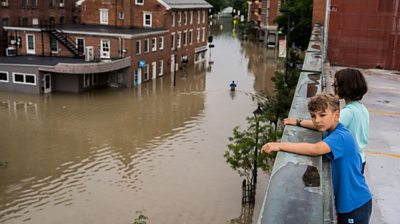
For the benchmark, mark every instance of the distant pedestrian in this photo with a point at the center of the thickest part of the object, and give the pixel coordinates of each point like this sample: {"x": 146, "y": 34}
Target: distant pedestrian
{"x": 349, "y": 84}
{"x": 353, "y": 199}
{"x": 233, "y": 86}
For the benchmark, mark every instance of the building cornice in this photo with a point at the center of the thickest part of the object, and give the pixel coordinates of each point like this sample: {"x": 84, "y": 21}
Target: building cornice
{"x": 93, "y": 33}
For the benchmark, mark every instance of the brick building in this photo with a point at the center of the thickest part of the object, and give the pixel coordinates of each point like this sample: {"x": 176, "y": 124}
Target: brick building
{"x": 113, "y": 42}
{"x": 35, "y": 13}
{"x": 361, "y": 33}
{"x": 263, "y": 13}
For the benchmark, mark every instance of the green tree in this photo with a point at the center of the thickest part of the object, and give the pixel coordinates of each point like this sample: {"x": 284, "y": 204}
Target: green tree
{"x": 242, "y": 145}
{"x": 218, "y": 5}
{"x": 140, "y": 219}
{"x": 240, "y": 5}
{"x": 301, "y": 18}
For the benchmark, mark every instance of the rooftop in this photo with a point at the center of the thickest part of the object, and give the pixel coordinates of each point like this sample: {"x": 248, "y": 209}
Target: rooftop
{"x": 127, "y": 32}
{"x": 185, "y": 4}
{"x": 41, "y": 61}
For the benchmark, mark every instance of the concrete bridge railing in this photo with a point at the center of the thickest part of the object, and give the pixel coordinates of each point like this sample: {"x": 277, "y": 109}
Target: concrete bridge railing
{"x": 300, "y": 188}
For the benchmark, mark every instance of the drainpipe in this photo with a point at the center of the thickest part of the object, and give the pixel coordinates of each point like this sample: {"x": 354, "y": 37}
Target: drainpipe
{"x": 120, "y": 47}
{"x": 326, "y": 30}
{"x": 16, "y": 42}
{"x": 116, "y": 13}
{"x": 396, "y": 33}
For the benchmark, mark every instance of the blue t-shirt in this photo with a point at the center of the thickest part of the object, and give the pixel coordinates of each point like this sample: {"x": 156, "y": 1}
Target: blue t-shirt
{"x": 355, "y": 117}
{"x": 349, "y": 186}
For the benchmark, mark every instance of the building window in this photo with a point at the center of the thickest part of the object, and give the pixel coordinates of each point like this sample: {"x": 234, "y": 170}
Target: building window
{"x": 190, "y": 37}
{"x": 4, "y": 3}
{"x": 147, "y": 20}
{"x": 161, "y": 43}
{"x": 30, "y": 44}
{"x": 53, "y": 45}
{"x": 24, "y": 3}
{"x": 3, "y": 76}
{"x": 191, "y": 17}
{"x": 26, "y": 79}
{"x": 51, "y": 3}
{"x": 173, "y": 20}
{"x": 62, "y": 20}
{"x": 160, "y": 67}
{"x": 185, "y": 38}
{"x": 179, "y": 39}
{"x": 198, "y": 35}
{"x": 204, "y": 16}
{"x": 5, "y": 21}
{"x": 146, "y": 72}
{"x": 25, "y": 21}
{"x": 154, "y": 44}
{"x": 104, "y": 16}
{"x": 179, "y": 18}
{"x": 61, "y": 3}
{"x": 200, "y": 56}
{"x": 138, "y": 47}
{"x": 80, "y": 44}
{"x": 105, "y": 49}
{"x": 185, "y": 17}
{"x": 52, "y": 20}
{"x": 86, "y": 80}
{"x": 139, "y": 2}
{"x": 146, "y": 45}
{"x": 172, "y": 41}
{"x": 121, "y": 15}
{"x": 198, "y": 17}
{"x": 203, "y": 37}
{"x": 95, "y": 79}
{"x": 34, "y": 3}
{"x": 35, "y": 21}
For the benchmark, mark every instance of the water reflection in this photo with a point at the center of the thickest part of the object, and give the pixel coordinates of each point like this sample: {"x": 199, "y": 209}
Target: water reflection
{"x": 74, "y": 157}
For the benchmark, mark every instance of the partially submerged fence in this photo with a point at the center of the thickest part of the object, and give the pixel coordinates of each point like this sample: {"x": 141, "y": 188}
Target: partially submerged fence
{"x": 300, "y": 188}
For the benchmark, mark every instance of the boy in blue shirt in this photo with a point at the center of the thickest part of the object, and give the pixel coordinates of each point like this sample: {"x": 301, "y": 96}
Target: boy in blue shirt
{"x": 353, "y": 200}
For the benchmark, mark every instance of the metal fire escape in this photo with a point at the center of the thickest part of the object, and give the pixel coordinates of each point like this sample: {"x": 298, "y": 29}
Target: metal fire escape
{"x": 66, "y": 41}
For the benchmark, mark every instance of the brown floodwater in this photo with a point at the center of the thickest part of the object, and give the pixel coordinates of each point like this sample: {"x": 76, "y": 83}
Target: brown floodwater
{"x": 101, "y": 156}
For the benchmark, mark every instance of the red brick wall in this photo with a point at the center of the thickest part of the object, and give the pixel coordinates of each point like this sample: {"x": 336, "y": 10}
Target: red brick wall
{"x": 273, "y": 11}
{"x": 132, "y": 13}
{"x": 319, "y": 11}
{"x": 361, "y": 34}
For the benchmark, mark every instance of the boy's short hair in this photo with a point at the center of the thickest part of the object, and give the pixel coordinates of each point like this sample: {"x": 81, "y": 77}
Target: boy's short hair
{"x": 323, "y": 101}
{"x": 350, "y": 84}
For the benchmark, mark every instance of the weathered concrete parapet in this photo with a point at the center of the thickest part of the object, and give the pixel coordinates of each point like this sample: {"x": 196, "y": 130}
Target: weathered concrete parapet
{"x": 300, "y": 188}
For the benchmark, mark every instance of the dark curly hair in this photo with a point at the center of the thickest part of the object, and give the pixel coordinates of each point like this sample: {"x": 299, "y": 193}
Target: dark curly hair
{"x": 350, "y": 84}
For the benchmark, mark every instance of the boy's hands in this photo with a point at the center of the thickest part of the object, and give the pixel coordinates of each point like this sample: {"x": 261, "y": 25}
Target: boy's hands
{"x": 271, "y": 147}
{"x": 289, "y": 121}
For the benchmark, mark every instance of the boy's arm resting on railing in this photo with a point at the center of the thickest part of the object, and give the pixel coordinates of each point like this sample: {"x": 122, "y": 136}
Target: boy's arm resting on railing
{"x": 299, "y": 122}
{"x": 310, "y": 149}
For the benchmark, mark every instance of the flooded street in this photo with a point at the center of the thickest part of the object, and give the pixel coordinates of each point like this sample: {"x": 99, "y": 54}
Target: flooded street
{"x": 100, "y": 156}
